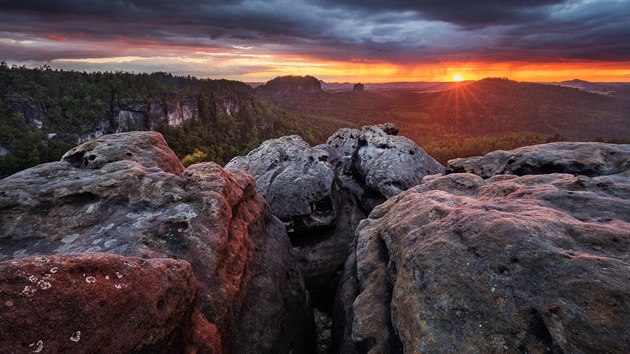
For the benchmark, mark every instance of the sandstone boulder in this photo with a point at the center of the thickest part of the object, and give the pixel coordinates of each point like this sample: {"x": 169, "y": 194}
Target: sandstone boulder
{"x": 345, "y": 141}
{"x": 590, "y": 159}
{"x": 149, "y": 149}
{"x": 134, "y": 199}
{"x": 296, "y": 180}
{"x": 388, "y": 164}
{"x": 302, "y": 187}
{"x": 93, "y": 302}
{"x": 507, "y": 264}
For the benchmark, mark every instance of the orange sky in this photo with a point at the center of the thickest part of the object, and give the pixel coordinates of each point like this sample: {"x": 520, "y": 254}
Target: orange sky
{"x": 261, "y": 67}
{"x": 597, "y": 71}
{"x": 336, "y": 41}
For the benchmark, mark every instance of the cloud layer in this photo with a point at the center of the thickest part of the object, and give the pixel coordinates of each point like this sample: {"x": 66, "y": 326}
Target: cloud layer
{"x": 228, "y": 32}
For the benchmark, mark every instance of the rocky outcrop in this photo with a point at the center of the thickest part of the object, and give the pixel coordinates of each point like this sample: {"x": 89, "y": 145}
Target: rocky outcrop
{"x": 316, "y": 192}
{"x": 358, "y": 87}
{"x": 301, "y": 185}
{"x": 386, "y": 164}
{"x": 149, "y": 149}
{"x": 127, "y": 194}
{"x": 123, "y": 114}
{"x": 295, "y": 179}
{"x": 537, "y": 263}
{"x": 69, "y": 303}
{"x": 590, "y": 159}
{"x": 290, "y": 85}
{"x": 181, "y": 109}
{"x": 345, "y": 141}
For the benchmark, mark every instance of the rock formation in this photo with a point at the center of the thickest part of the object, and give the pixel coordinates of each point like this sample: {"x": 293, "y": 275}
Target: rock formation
{"x": 316, "y": 191}
{"x": 537, "y": 263}
{"x": 289, "y": 86}
{"x": 119, "y": 248}
{"x": 295, "y": 179}
{"x": 123, "y": 114}
{"x": 128, "y": 195}
{"x": 383, "y": 163}
{"x": 358, "y": 87}
{"x": 589, "y": 159}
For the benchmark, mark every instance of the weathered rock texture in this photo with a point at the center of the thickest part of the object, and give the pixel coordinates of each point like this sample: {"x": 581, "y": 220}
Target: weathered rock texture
{"x": 132, "y": 199}
{"x": 295, "y": 179}
{"x": 389, "y": 164}
{"x": 507, "y": 264}
{"x": 149, "y": 149}
{"x": 59, "y": 304}
{"x": 345, "y": 140}
{"x": 317, "y": 191}
{"x": 300, "y": 184}
{"x": 590, "y": 159}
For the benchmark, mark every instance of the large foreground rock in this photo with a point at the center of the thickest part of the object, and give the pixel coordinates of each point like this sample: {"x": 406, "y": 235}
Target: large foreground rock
{"x": 126, "y": 194}
{"x": 322, "y": 192}
{"x": 589, "y": 159}
{"x": 509, "y": 264}
{"x": 93, "y": 302}
{"x": 301, "y": 185}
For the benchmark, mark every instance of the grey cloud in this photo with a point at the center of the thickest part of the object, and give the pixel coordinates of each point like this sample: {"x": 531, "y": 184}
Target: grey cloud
{"x": 402, "y": 31}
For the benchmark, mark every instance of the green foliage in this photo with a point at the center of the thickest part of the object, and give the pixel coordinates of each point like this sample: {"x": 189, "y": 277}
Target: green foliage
{"x": 26, "y": 145}
{"x": 231, "y": 120}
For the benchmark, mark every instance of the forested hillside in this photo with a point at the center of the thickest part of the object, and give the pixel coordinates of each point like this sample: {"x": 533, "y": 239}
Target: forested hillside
{"x": 44, "y": 112}
{"x": 478, "y": 117}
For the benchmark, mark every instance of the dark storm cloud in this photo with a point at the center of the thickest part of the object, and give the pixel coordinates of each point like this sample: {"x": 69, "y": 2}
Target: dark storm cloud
{"x": 464, "y": 13}
{"x": 403, "y": 31}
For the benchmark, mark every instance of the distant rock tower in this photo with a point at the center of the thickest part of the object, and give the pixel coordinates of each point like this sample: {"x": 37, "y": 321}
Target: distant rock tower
{"x": 358, "y": 87}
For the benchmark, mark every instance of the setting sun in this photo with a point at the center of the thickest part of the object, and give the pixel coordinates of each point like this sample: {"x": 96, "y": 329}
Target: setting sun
{"x": 457, "y": 78}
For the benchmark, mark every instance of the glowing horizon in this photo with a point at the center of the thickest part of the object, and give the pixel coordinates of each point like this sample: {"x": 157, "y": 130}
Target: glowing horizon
{"x": 336, "y": 41}
{"x": 366, "y": 72}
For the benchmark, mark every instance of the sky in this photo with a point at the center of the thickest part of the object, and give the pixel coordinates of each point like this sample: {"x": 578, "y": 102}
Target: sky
{"x": 334, "y": 40}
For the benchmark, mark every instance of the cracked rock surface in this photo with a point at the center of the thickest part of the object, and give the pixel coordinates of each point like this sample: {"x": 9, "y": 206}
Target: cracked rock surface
{"x": 537, "y": 263}
{"x": 135, "y": 199}
{"x": 295, "y": 179}
{"x": 384, "y": 163}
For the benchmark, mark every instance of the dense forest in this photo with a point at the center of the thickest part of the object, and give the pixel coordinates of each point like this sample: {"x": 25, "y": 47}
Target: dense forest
{"x": 44, "y": 112}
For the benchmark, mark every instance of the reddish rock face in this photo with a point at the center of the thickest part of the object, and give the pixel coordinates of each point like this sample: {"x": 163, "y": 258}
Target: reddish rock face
{"x": 251, "y": 294}
{"x": 93, "y": 302}
{"x": 508, "y": 264}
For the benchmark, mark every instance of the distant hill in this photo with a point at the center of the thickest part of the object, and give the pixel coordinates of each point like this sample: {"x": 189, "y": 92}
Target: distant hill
{"x": 420, "y": 86}
{"x": 493, "y": 106}
{"x": 615, "y": 89}
{"x": 513, "y": 113}
{"x": 44, "y": 112}
{"x": 487, "y": 106}
{"x": 594, "y": 86}
{"x": 289, "y": 86}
